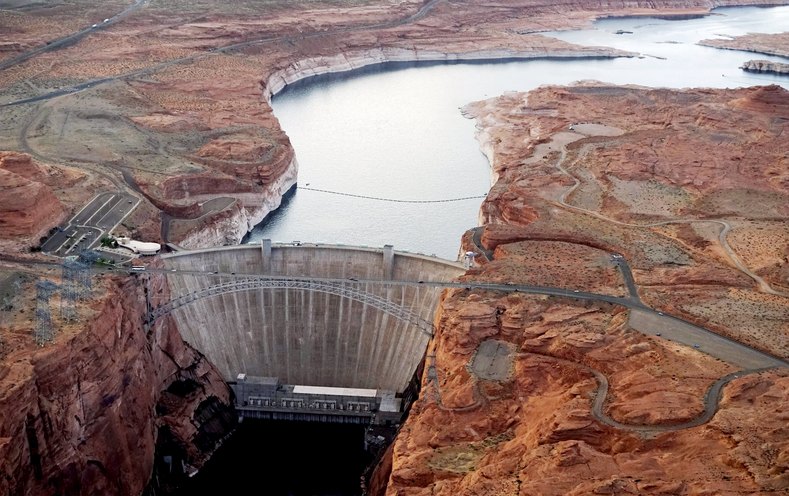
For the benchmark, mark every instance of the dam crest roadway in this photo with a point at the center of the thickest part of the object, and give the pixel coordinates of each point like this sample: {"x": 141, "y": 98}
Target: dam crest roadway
{"x": 361, "y": 318}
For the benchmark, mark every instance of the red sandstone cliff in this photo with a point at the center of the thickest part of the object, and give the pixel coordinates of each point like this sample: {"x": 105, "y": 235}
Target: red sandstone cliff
{"x": 82, "y": 415}
{"x": 655, "y": 175}
{"x": 28, "y": 206}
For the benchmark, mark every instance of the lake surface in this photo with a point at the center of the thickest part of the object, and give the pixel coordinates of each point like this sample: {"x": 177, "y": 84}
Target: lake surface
{"x": 399, "y": 134}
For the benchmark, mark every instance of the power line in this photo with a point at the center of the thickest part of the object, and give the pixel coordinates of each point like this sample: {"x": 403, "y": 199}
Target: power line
{"x": 44, "y": 331}
{"x": 394, "y": 200}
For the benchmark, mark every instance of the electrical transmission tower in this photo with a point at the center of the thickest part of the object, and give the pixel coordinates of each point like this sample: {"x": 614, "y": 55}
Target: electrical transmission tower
{"x": 44, "y": 332}
{"x": 72, "y": 287}
{"x": 87, "y": 258}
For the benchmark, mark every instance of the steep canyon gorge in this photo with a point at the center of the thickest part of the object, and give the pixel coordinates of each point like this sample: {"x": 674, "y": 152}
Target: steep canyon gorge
{"x": 690, "y": 186}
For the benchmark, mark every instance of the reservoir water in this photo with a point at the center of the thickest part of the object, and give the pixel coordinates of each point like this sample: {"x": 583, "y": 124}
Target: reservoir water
{"x": 399, "y": 134}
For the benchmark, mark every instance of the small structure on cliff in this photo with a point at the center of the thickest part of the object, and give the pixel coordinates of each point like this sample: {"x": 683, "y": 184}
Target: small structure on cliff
{"x": 468, "y": 259}
{"x": 138, "y": 247}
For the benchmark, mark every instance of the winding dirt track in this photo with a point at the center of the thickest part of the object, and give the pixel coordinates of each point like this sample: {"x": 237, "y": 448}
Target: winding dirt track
{"x": 712, "y": 397}
{"x": 120, "y": 183}
{"x": 735, "y": 260}
{"x": 25, "y": 146}
{"x": 711, "y": 401}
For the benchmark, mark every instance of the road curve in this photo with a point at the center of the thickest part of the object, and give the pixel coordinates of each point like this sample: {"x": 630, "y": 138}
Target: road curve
{"x": 70, "y": 39}
{"x": 711, "y": 400}
{"x": 726, "y": 349}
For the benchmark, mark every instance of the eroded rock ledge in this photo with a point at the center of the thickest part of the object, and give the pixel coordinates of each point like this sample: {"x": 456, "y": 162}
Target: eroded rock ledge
{"x": 83, "y": 414}
{"x": 198, "y": 128}
{"x": 765, "y": 66}
{"x": 630, "y": 156}
{"x": 769, "y": 44}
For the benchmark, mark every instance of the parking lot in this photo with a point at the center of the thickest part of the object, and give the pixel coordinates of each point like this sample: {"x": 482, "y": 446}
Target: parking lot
{"x": 85, "y": 230}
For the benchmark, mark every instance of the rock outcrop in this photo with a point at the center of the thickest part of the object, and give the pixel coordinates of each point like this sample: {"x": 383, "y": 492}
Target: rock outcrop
{"x": 765, "y": 66}
{"x": 533, "y": 432}
{"x": 654, "y": 175}
{"x": 83, "y": 414}
{"x": 203, "y": 117}
{"x": 769, "y": 44}
{"x": 28, "y": 207}
{"x": 230, "y": 225}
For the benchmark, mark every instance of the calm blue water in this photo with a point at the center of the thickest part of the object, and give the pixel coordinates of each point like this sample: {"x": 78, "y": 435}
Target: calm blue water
{"x": 399, "y": 134}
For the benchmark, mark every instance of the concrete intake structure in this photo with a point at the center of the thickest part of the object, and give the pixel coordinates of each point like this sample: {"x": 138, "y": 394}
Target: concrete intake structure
{"x": 305, "y": 333}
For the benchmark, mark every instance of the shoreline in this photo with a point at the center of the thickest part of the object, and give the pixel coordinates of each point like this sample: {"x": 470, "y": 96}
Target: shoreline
{"x": 376, "y": 59}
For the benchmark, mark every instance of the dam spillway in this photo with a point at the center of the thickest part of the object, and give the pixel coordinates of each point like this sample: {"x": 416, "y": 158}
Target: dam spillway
{"x": 334, "y": 335}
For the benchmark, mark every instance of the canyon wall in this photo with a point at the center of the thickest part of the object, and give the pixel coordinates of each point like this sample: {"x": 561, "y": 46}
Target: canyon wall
{"x": 28, "y": 207}
{"x": 229, "y": 226}
{"x": 357, "y": 59}
{"x": 82, "y": 414}
{"x": 587, "y": 172}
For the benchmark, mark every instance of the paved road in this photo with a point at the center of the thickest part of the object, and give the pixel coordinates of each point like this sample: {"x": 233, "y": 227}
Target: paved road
{"x": 711, "y": 401}
{"x": 496, "y": 359}
{"x": 418, "y": 15}
{"x": 654, "y": 323}
{"x": 680, "y": 331}
{"x": 86, "y": 228}
{"x": 477, "y": 239}
{"x": 650, "y": 320}
{"x": 627, "y": 275}
{"x": 70, "y": 39}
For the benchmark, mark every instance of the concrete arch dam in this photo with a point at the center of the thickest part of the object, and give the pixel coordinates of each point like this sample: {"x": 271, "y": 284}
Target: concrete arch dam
{"x": 321, "y": 315}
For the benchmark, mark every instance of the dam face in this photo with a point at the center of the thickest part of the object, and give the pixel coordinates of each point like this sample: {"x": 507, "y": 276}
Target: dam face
{"x": 308, "y": 335}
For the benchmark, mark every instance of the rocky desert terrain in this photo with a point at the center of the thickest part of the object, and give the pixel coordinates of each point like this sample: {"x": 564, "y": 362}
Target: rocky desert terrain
{"x": 770, "y": 44}
{"x": 170, "y": 101}
{"x": 160, "y": 77}
{"x": 658, "y": 176}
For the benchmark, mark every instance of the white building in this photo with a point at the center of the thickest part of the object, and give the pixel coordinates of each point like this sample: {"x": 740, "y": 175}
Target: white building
{"x": 139, "y": 247}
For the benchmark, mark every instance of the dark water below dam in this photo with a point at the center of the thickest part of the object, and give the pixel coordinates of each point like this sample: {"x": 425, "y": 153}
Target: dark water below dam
{"x": 277, "y": 458}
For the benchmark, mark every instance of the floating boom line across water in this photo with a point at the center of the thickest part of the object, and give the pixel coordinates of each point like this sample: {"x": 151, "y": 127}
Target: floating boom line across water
{"x": 394, "y": 200}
